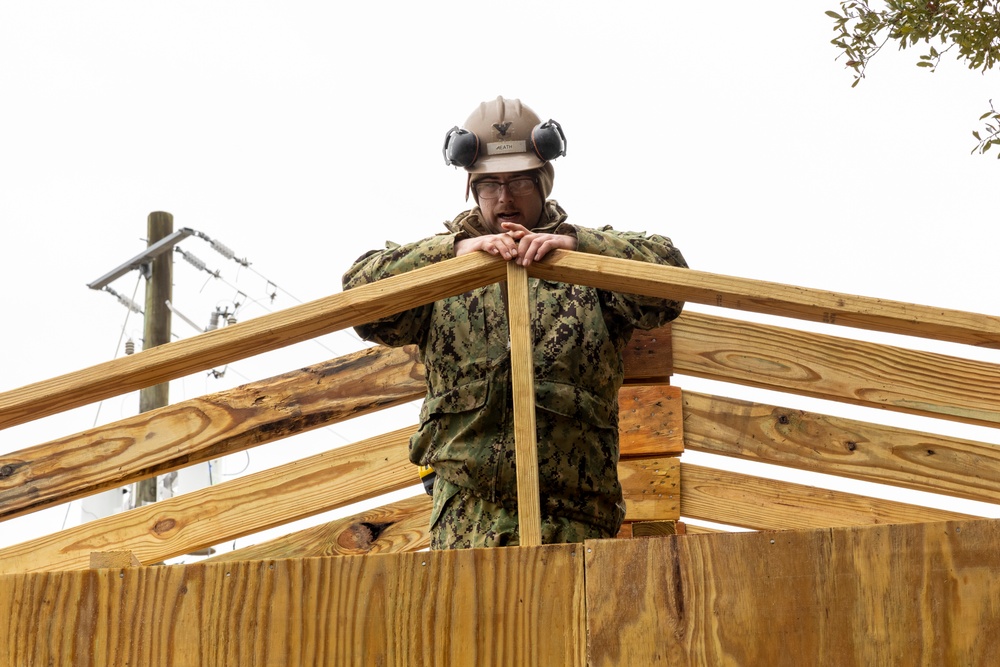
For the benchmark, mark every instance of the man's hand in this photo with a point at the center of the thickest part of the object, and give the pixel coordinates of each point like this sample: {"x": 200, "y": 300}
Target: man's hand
{"x": 533, "y": 247}
{"x": 518, "y": 244}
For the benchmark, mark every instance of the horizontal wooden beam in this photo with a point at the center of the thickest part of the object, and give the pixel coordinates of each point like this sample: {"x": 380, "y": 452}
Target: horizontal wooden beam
{"x": 840, "y": 369}
{"x": 758, "y": 296}
{"x": 915, "y": 594}
{"x": 204, "y": 428}
{"x": 397, "y": 527}
{"x": 746, "y": 501}
{"x": 248, "y": 338}
{"x": 843, "y": 447}
{"x": 193, "y": 521}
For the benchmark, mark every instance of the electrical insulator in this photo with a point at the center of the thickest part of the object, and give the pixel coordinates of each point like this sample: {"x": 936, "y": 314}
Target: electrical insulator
{"x": 231, "y": 319}
{"x": 194, "y": 261}
{"x": 222, "y": 250}
{"x": 130, "y": 346}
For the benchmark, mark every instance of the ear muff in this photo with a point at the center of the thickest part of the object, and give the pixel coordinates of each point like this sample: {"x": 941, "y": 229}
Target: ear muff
{"x": 461, "y": 148}
{"x": 548, "y": 140}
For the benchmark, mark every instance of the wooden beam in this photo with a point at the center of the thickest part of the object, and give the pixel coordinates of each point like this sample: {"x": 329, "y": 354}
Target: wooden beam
{"x": 843, "y": 447}
{"x": 520, "y": 606}
{"x": 758, "y": 296}
{"x": 223, "y": 512}
{"x": 840, "y": 369}
{"x": 915, "y": 594}
{"x": 261, "y": 334}
{"x": 767, "y": 504}
{"x": 205, "y": 428}
{"x": 398, "y": 527}
{"x": 522, "y": 364}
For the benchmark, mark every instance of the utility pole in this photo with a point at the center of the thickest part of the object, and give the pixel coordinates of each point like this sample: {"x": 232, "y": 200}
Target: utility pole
{"x": 156, "y": 327}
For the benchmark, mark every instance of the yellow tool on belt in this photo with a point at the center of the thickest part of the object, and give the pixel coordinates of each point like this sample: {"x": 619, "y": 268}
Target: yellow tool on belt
{"x": 427, "y": 476}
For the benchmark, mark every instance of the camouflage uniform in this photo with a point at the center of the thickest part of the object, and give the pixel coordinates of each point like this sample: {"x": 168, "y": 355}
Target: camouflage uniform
{"x": 466, "y": 423}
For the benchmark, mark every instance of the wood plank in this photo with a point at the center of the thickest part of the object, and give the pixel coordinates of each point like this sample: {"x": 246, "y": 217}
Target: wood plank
{"x": 255, "y": 336}
{"x": 223, "y": 512}
{"x": 914, "y": 594}
{"x": 648, "y": 357}
{"x": 758, "y": 296}
{"x": 519, "y": 606}
{"x": 843, "y": 447}
{"x": 397, "y": 527}
{"x": 522, "y": 365}
{"x": 766, "y": 504}
{"x": 650, "y": 420}
{"x": 205, "y": 428}
{"x": 841, "y": 369}
{"x": 651, "y": 487}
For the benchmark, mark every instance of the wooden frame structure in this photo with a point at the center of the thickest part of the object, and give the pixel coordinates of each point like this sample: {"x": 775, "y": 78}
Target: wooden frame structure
{"x": 836, "y": 586}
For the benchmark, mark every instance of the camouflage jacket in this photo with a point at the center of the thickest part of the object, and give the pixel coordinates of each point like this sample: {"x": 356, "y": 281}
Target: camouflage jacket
{"x": 579, "y": 333}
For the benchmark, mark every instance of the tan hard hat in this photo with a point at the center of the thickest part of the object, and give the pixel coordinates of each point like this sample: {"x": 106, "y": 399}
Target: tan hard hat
{"x": 503, "y": 135}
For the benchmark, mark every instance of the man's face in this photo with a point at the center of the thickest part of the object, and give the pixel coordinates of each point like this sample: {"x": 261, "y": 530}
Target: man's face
{"x": 518, "y": 200}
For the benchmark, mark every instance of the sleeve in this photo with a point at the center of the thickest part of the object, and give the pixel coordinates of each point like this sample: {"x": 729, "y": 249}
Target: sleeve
{"x": 642, "y": 312}
{"x": 410, "y": 326}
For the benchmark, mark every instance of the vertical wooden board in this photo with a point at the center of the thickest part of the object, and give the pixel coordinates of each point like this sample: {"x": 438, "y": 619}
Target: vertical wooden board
{"x": 651, "y": 488}
{"x": 920, "y": 594}
{"x": 517, "y": 606}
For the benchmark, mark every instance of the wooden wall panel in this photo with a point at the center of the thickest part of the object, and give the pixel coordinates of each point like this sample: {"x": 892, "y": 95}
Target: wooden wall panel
{"x": 917, "y": 594}
{"x": 478, "y": 607}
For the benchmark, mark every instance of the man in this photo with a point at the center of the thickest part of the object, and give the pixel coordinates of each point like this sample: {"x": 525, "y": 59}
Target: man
{"x": 467, "y": 431}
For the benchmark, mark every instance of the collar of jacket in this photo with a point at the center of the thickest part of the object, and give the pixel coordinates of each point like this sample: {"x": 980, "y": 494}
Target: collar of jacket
{"x": 470, "y": 223}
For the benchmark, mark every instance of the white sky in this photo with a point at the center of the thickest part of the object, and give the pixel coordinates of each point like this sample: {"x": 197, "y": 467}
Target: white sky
{"x": 301, "y": 134}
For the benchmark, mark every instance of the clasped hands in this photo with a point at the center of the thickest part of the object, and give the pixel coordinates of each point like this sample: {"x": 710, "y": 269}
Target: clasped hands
{"x": 517, "y": 243}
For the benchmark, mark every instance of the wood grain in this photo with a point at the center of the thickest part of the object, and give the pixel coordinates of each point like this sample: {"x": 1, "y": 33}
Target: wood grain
{"x": 842, "y": 447}
{"x": 648, "y": 356}
{"x": 256, "y": 336}
{"x": 766, "y": 504}
{"x": 841, "y": 369}
{"x": 518, "y": 606}
{"x": 651, "y": 487}
{"x": 650, "y": 420}
{"x": 205, "y": 428}
{"x": 522, "y": 365}
{"x": 758, "y": 296}
{"x": 223, "y": 512}
{"x": 397, "y": 527}
{"x": 914, "y": 594}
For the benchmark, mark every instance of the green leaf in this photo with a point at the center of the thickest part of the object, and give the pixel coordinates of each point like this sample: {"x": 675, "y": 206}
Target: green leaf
{"x": 833, "y": 15}
{"x": 925, "y": 64}
{"x": 975, "y": 133}
{"x": 985, "y": 115}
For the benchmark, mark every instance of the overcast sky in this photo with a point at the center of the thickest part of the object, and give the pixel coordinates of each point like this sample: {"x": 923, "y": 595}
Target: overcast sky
{"x": 301, "y": 134}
